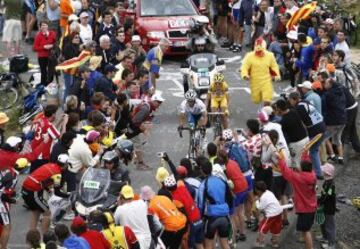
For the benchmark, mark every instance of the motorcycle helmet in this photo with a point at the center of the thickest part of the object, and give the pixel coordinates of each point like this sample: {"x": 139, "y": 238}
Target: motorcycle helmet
{"x": 227, "y": 135}
{"x": 126, "y": 147}
{"x": 202, "y": 19}
{"x": 356, "y": 202}
{"x": 21, "y": 164}
{"x": 190, "y": 95}
{"x": 219, "y": 77}
{"x": 110, "y": 157}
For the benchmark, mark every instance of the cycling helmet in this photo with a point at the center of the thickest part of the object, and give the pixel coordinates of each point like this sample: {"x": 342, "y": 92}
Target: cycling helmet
{"x": 125, "y": 146}
{"x": 227, "y": 135}
{"x": 110, "y": 157}
{"x": 356, "y": 202}
{"x": 190, "y": 95}
{"x": 219, "y": 77}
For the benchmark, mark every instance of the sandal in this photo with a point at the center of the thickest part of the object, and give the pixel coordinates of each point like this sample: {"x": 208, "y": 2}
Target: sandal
{"x": 142, "y": 166}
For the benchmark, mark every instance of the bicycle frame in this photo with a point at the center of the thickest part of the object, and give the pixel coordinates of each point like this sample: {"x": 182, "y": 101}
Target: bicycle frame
{"x": 217, "y": 119}
{"x": 194, "y": 141}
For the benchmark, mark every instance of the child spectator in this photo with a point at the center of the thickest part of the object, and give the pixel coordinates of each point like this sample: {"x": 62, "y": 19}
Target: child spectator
{"x": 272, "y": 222}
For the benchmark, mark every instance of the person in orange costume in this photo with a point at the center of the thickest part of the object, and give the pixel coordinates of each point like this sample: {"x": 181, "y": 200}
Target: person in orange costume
{"x": 259, "y": 66}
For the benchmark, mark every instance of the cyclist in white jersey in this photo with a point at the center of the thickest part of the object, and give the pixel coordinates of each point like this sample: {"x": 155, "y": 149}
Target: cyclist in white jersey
{"x": 192, "y": 110}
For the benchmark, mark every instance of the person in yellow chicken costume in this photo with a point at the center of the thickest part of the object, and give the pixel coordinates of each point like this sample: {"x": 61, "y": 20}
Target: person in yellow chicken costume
{"x": 259, "y": 66}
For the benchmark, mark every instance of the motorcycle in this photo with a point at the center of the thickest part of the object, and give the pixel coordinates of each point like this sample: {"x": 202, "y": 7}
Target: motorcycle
{"x": 199, "y": 71}
{"x": 96, "y": 192}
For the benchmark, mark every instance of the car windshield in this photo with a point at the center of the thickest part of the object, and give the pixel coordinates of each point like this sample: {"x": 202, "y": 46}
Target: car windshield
{"x": 167, "y": 8}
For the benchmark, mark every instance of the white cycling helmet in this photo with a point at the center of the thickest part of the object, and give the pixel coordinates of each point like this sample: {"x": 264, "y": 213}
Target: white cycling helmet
{"x": 200, "y": 41}
{"x": 190, "y": 95}
{"x": 227, "y": 135}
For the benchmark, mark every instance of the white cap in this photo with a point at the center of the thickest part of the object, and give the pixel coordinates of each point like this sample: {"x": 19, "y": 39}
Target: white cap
{"x": 200, "y": 41}
{"x": 202, "y": 19}
{"x": 13, "y": 141}
{"x": 63, "y": 158}
{"x": 306, "y": 85}
{"x": 157, "y": 97}
{"x": 293, "y": 35}
{"x": 135, "y": 38}
{"x": 73, "y": 17}
{"x": 84, "y": 14}
{"x": 329, "y": 21}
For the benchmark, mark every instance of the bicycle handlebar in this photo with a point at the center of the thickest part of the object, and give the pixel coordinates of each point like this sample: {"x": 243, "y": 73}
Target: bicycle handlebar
{"x": 180, "y": 129}
{"x": 216, "y": 113}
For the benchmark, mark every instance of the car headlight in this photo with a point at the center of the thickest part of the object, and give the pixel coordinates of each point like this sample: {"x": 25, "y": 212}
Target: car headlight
{"x": 156, "y": 34}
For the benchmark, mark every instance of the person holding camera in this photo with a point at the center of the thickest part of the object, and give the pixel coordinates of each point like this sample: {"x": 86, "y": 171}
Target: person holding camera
{"x": 200, "y": 31}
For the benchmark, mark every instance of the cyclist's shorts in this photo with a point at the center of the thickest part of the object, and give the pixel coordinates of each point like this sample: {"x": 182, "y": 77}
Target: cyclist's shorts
{"x": 219, "y": 102}
{"x": 193, "y": 119}
{"x": 217, "y": 225}
{"x": 35, "y": 200}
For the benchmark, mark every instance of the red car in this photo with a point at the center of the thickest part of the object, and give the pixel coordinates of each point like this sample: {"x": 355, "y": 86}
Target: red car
{"x": 155, "y": 19}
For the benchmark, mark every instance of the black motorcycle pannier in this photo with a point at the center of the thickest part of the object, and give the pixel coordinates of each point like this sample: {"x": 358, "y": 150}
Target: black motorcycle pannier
{"x": 19, "y": 63}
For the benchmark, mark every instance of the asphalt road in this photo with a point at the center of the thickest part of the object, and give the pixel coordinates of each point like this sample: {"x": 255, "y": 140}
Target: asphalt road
{"x": 164, "y": 136}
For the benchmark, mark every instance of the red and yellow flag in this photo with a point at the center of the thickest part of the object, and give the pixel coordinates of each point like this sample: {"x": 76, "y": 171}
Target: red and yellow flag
{"x": 74, "y": 63}
{"x": 301, "y": 14}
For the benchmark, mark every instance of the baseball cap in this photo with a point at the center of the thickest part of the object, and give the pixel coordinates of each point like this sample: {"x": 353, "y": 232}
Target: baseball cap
{"x": 328, "y": 170}
{"x": 306, "y": 85}
{"x": 3, "y": 118}
{"x": 13, "y": 141}
{"x": 77, "y": 221}
{"x": 263, "y": 117}
{"x": 92, "y": 135}
{"x": 292, "y": 34}
{"x": 73, "y": 17}
{"x": 127, "y": 192}
{"x": 135, "y": 38}
{"x": 84, "y": 14}
{"x": 161, "y": 174}
{"x": 157, "y": 97}
{"x": 329, "y": 21}
{"x": 147, "y": 193}
{"x": 110, "y": 68}
{"x": 182, "y": 171}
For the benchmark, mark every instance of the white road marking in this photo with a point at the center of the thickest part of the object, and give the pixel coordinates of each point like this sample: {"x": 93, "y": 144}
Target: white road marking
{"x": 232, "y": 59}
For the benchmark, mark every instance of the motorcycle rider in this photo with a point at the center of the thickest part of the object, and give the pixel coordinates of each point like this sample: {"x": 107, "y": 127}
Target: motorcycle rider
{"x": 192, "y": 110}
{"x": 200, "y": 29}
{"x": 37, "y": 184}
{"x": 218, "y": 96}
{"x": 8, "y": 180}
{"x": 111, "y": 161}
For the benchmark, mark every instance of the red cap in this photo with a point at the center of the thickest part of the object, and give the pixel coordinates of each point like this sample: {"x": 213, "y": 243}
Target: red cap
{"x": 182, "y": 171}
{"x": 77, "y": 222}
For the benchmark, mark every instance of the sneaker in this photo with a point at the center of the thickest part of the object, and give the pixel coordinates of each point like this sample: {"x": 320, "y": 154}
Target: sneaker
{"x": 320, "y": 238}
{"x": 259, "y": 245}
{"x": 69, "y": 216}
{"x": 324, "y": 245}
{"x": 340, "y": 160}
{"x": 334, "y": 159}
{"x": 236, "y": 49}
{"x": 232, "y": 47}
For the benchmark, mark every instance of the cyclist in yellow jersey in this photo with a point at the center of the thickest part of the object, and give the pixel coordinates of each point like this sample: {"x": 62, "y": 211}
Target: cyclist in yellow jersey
{"x": 218, "y": 96}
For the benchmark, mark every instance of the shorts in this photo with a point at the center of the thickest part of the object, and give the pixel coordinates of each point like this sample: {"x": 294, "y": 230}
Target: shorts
{"x": 304, "y": 222}
{"x": 12, "y": 31}
{"x": 222, "y": 7}
{"x": 240, "y": 198}
{"x": 196, "y": 235}
{"x": 236, "y": 16}
{"x": 219, "y": 102}
{"x": 279, "y": 185}
{"x": 193, "y": 119}
{"x": 4, "y": 213}
{"x": 335, "y": 133}
{"x": 35, "y": 200}
{"x": 219, "y": 225}
{"x": 250, "y": 181}
{"x": 138, "y": 142}
{"x": 271, "y": 224}
{"x": 261, "y": 93}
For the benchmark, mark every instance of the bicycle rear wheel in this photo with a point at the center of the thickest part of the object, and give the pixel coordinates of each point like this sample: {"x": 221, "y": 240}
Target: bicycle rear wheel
{"x": 8, "y": 98}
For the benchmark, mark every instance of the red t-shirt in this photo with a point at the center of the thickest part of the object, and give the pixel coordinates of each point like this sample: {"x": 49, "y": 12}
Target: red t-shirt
{"x": 41, "y": 127}
{"x": 182, "y": 195}
{"x": 233, "y": 172}
{"x": 42, "y": 175}
{"x": 96, "y": 239}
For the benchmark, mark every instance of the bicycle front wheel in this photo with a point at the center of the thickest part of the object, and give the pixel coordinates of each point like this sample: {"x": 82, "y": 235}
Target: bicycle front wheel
{"x": 8, "y": 98}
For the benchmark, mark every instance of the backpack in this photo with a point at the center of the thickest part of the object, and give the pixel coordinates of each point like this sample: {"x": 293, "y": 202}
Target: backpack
{"x": 238, "y": 153}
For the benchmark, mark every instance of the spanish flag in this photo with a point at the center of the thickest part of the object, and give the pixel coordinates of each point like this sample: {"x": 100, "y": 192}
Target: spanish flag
{"x": 301, "y": 14}
{"x": 71, "y": 65}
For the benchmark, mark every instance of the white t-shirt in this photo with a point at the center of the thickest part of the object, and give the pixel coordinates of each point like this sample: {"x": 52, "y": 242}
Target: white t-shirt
{"x": 269, "y": 204}
{"x": 198, "y": 108}
{"x": 86, "y": 33}
{"x": 237, "y": 5}
{"x": 292, "y": 10}
{"x": 80, "y": 155}
{"x": 345, "y": 48}
{"x": 134, "y": 215}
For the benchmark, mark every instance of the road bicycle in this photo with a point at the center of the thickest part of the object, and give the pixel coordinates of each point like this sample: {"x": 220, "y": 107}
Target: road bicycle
{"x": 216, "y": 122}
{"x": 196, "y": 140}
